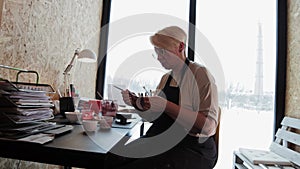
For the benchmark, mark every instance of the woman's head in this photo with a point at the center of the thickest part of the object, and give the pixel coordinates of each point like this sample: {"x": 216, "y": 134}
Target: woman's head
{"x": 169, "y": 37}
{"x": 169, "y": 45}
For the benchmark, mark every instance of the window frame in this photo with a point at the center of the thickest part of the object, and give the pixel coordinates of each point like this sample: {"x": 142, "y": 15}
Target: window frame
{"x": 281, "y": 64}
{"x": 281, "y": 54}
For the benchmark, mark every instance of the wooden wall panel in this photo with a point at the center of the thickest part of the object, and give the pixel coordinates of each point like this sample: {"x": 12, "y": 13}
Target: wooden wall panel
{"x": 293, "y": 68}
{"x": 293, "y": 62}
{"x": 1, "y": 8}
{"x": 42, "y": 35}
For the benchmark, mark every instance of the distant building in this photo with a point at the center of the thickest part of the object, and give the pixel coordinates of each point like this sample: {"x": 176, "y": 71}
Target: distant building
{"x": 259, "y": 74}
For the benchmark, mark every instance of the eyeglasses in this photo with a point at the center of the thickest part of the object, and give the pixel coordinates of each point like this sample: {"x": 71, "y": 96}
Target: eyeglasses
{"x": 158, "y": 51}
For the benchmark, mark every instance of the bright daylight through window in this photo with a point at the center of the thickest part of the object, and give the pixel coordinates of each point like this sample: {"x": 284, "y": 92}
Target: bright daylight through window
{"x": 128, "y": 58}
{"x": 243, "y": 35}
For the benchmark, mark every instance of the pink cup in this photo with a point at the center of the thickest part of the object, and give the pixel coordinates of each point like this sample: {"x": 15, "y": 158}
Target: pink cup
{"x": 87, "y": 114}
{"x": 95, "y": 105}
{"x": 109, "y": 108}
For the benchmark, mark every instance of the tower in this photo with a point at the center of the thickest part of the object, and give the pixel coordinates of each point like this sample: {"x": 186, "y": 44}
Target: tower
{"x": 258, "y": 88}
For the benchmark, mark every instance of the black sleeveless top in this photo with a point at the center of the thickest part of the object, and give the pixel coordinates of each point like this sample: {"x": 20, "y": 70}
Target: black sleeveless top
{"x": 163, "y": 122}
{"x": 195, "y": 154}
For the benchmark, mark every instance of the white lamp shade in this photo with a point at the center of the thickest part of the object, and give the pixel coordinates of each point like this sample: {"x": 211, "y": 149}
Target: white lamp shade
{"x": 87, "y": 55}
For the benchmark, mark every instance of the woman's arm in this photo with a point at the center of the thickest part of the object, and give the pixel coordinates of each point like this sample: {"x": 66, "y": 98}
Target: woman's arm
{"x": 200, "y": 120}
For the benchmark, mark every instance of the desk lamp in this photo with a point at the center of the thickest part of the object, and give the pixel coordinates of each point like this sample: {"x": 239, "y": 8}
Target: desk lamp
{"x": 85, "y": 55}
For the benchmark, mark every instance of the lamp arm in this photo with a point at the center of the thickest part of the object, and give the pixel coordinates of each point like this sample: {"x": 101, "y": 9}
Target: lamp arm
{"x": 13, "y": 68}
{"x": 70, "y": 65}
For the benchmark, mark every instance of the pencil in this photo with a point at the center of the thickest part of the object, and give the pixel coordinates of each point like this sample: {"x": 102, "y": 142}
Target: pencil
{"x": 118, "y": 87}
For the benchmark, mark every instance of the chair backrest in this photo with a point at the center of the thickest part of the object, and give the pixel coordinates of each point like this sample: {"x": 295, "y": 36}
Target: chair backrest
{"x": 285, "y": 136}
{"x": 216, "y": 136}
{"x": 217, "y": 133}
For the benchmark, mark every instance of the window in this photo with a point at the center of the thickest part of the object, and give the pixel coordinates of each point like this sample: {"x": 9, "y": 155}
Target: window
{"x": 243, "y": 35}
{"x": 129, "y": 55}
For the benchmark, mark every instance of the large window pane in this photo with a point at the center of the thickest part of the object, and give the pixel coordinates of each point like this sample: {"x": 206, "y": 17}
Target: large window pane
{"x": 129, "y": 58}
{"x": 243, "y": 34}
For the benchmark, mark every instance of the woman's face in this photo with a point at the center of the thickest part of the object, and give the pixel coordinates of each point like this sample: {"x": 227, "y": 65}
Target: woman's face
{"x": 168, "y": 59}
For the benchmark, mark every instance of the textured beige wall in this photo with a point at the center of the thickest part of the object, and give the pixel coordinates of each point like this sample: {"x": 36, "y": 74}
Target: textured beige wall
{"x": 1, "y": 7}
{"x": 42, "y": 35}
{"x": 11, "y": 164}
{"x": 293, "y": 60}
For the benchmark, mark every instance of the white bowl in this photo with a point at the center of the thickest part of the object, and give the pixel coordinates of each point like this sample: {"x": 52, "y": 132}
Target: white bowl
{"x": 73, "y": 116}
{"x": 90, "y": 125}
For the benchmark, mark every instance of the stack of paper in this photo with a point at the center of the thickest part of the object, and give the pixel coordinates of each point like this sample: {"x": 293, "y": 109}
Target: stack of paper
{"x": 24, "y": 111}
{"x": 29, "y": 99}
{"x": 25, "y": 129}
{"x": 22, "y": 106}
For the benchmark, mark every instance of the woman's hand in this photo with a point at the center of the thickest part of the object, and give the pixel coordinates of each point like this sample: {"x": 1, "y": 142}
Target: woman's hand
{"x": 129, "y": 97}
{"x": 156, "y": 104}
{"x": 149, "y": 107}
{"x": 152, "y": 107}
{"x": 137, "y": 102}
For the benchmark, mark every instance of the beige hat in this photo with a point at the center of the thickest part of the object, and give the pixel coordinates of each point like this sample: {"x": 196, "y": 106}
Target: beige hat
{"x": 168, "y": 36}
{"x": 174, "y": 32}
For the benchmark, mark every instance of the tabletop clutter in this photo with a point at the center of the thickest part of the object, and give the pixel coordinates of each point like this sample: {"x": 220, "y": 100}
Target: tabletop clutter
{"x": 26, "y": 109}
{"x": 94, "y": 114}
{"x": 27, "y": 112}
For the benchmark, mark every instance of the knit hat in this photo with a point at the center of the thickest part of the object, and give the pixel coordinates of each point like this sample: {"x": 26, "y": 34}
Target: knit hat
{"x": 168, "y": 36}
{"x": 174, "y": 32}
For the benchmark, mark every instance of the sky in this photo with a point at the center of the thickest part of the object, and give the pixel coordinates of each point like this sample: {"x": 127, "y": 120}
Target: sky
{"x": 233, "y": 33}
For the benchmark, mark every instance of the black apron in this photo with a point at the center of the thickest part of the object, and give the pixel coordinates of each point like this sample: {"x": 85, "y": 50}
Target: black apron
{"x": 163, "y": 122}
{"x": 192, "y": 153}
{"x": 187, "y": 154}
